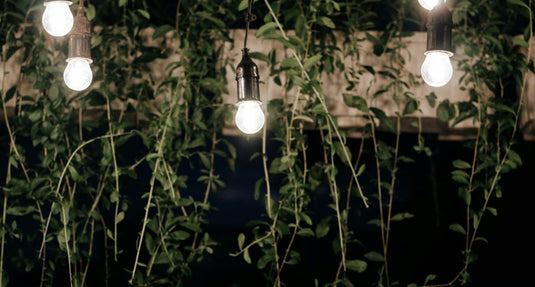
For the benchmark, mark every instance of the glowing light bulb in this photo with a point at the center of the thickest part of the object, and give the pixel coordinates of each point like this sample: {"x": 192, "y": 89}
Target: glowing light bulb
{"x": 249, "y": 117}
{"x": 78, "y": 74}
{"x": 437, "y": 69}
{"x": 57, "y": 18}
{"x": 430, "y": 4}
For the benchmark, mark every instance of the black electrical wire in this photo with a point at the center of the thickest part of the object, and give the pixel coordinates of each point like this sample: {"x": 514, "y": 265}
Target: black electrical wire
{"x": 248, "y": 19}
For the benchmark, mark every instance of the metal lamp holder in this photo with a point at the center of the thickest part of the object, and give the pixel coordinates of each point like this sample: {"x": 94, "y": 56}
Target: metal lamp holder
{"x": 80, "y": 36}
{"x": 439, "y": 25}
{"x": 247, "y": 76}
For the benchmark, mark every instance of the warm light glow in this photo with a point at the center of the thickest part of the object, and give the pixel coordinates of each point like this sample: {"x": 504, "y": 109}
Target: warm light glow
{"x": 57, "y": 18}
{"x": 249, "y": 117}
{"x": 78, "y": 74}
{"x": 429, "y": 4}
{"x": 437, "y": 69}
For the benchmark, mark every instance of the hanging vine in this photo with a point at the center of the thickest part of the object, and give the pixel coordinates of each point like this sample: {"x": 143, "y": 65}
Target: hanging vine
{"x": 118, "y": 180}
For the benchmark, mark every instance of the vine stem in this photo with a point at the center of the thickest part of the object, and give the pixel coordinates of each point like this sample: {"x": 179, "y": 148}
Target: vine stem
{"x": 208, "y": 184}
{"x": 266, "y": 171}
{"x": 320, "y": 97}
{"x": 6, "y": 118}
{"x": 391, "y": 199}
{"x": 509, "y": 147}
{"x": 4, "y": 209}
{"x": 13, "y": 147}
{"x": 471, "y": 239}
{"x": 334, "y": 194}
{"x": 89, "y": 254}
{"x": 152, "y": 182}
{"x": 116, "y": 173}
{"x": 379, "y": 193}
{"x": 63, "y": 175}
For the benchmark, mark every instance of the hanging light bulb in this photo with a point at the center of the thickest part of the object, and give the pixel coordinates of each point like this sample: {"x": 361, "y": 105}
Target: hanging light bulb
{"x": 57, "y": 19}
{"x": 78, "y": 74}
{"x": 437, "y": 70}
{"x": 430, "y": 4}
{"x": 249, "y": 117}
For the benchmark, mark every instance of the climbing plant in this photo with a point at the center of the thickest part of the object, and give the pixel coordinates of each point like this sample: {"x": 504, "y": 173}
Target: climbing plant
{"x": 117, "y": 180}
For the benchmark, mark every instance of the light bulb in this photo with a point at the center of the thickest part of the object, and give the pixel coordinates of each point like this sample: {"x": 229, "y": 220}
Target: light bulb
{"x": 78, "y": 74}
{"x": 249, "y": 117}
{"x": 437, "y": 69}
{"x": 430, "y": 4}
{"x": 57, "y": 18}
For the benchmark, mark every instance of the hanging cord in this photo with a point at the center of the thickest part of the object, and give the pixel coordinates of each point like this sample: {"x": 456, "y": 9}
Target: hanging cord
{"x": 80, "y": 11}
{"x": 249, "y": 17}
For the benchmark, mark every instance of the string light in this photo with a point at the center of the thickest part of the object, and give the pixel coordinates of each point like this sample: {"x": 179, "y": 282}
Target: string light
{"x": 78, "y": 75}
{"x": 430, "y": 4}
{"x": 57, "y": 18}
{"x": 249, "y": 117}
{"x": 437, "y": 70}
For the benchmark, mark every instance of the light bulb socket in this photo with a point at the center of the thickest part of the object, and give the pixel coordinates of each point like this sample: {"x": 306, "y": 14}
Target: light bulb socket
{"x": 80, "y": 38}
{"x": 247, "y": 77}
{"x": 439, "y": 25}
{"x": 68, "y": 2}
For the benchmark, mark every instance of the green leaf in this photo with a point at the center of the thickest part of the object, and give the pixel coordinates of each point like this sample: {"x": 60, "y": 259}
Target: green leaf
{"x": 492, "y": 211}
{"x": 144, "y": 13}
{"x": 429, "y": 278}
{"x": 208, "y": 16}
{"x": 305, "y": 217}
{"x": 431, "y": 99}
{"x": 357, "y": 265}
{"x": 341, "y": 151}
{"x": 90, "y": 12}
{"x": 181, "y": 235}
{"x": 374, "y": 256}
{"x": 120, "y": 217}
{"x": 266, "y": 28}
{"x": 362, "y": 168}
{"x": 74, "y": 173}
{"x": 259, "y": 56}
{"x": 410, "y": 107}
{"x": 246, "y": 256}
{"x": 520, "y": 42}
{"x": 458, "y": 228}
{"x": 289, "y": 63}
{"x": 241, "y": 240}
{"x": 161, "y": 31}
{"x": 327, "y": 22}
{"x": 519, "y": 3}
{"x": 263, "y": 261}
{"x": 35, "y": 115}
{"x": 461, "y": 164}
{"x": 191, "y": 226}
{"x": 445, "y": 111}
{"x": 465, "y": 195}
{"x": 122, "y": 3}
{"x": 460, "y": 176}
{"x": 312, "y": 61}
{"x": 355, "y": 102}
{"x": 401, "y": 216}
{"x": 257, "y": 187}
{"x": 306, "y": 232}
{"x": 322, "y": 229}
{"x": 244, "y": 4}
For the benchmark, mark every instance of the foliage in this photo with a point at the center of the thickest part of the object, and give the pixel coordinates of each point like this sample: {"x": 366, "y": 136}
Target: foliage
{"x": 69, "y": 169}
